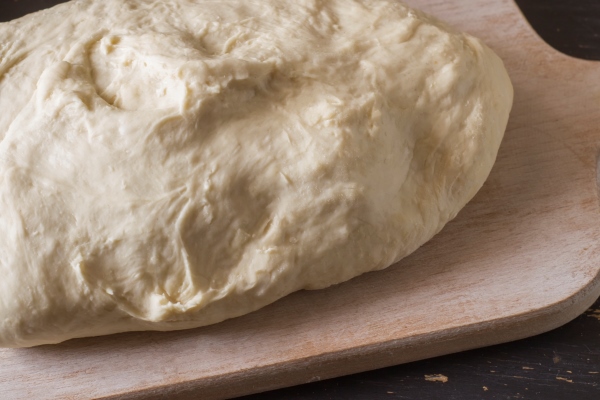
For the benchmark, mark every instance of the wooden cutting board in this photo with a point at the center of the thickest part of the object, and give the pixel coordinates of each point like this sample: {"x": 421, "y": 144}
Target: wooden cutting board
{"x": 522, "y": 258}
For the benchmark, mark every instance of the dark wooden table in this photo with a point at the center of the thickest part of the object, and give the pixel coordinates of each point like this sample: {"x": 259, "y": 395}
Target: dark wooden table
{"x": 562, "y": 364}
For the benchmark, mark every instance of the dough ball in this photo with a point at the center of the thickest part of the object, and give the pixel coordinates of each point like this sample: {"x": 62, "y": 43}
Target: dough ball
{"x": 171, "y": 164}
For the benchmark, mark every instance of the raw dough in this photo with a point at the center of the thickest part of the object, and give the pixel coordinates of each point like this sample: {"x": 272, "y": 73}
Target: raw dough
{"x": 173, "y": 163}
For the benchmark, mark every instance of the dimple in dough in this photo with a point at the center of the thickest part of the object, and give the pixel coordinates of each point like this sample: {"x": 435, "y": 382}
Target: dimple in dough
{"x": 170, "y": 164}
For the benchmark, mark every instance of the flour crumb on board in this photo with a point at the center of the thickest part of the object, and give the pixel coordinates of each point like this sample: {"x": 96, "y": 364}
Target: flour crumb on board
{"x": 526, "y": 367}
{"x": 560, "y": 378}
{"x": 485, "y": 389}
{"x": 436, "y": 378}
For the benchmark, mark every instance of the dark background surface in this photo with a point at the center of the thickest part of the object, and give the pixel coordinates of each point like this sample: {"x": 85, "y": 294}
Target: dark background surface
{"x": 562, "y": 364}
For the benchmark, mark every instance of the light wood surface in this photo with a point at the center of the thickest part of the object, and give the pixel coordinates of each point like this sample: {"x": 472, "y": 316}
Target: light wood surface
{"x": 522, "y": 258}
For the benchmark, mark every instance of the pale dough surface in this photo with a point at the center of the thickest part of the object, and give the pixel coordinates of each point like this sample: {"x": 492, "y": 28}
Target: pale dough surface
{"x": 170, "y": 164}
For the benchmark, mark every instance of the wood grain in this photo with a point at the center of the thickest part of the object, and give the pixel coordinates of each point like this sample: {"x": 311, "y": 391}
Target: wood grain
{"x": 521, "y": 258}
{"x": 561, "y": 364}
